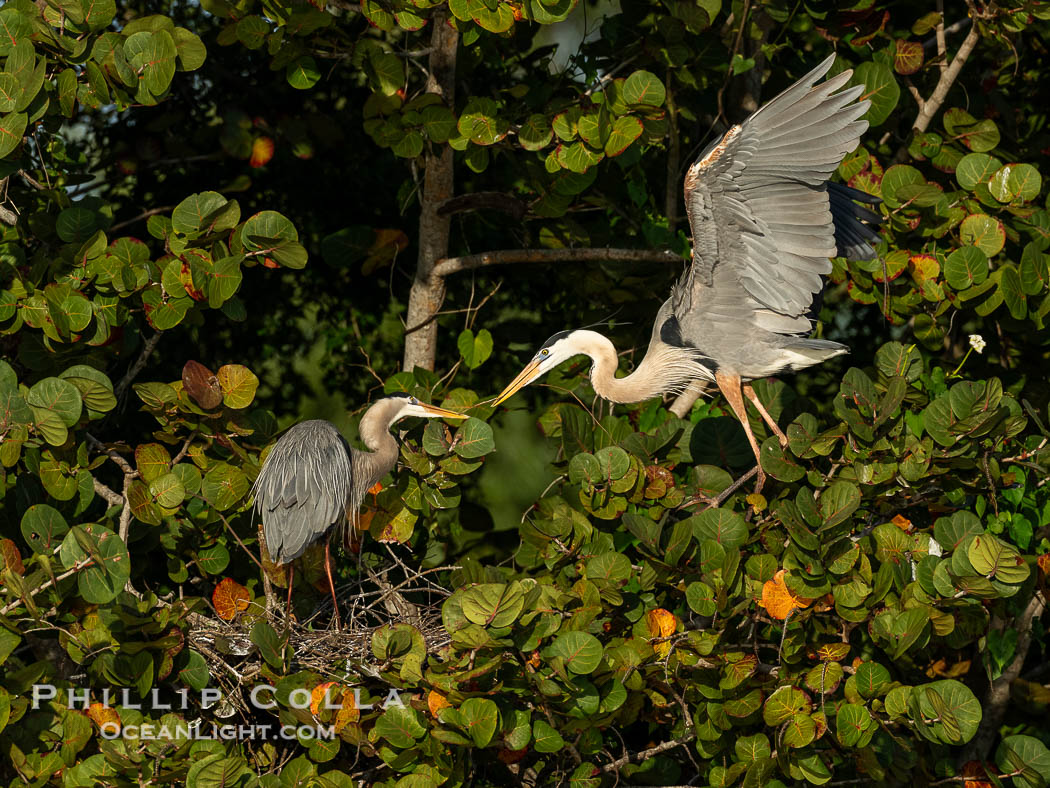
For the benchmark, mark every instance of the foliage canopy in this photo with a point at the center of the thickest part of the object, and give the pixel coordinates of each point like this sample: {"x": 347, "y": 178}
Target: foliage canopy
{"x": 205, "y": 219}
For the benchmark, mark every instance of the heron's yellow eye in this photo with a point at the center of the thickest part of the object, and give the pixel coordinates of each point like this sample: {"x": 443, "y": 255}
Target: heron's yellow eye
{"x": 544, "y": 352}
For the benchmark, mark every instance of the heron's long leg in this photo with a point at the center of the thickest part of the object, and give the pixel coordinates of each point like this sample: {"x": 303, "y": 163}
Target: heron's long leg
{"x": 288, "y": 606}
{"x": 730, "y": 386}
{"x": 749, "y": 392}
{"x": 331, "y": 585}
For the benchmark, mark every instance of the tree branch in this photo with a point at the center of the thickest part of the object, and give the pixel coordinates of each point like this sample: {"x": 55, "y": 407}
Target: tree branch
{"x": 105, "y": 492}
{"x": 46, "y": 585}
{"x": 997, "y": 698}
{"x": 484, "y": 201}
{"x": 136, "y": 368}
{"x": 453, "y": 265}
{"x": 930, "y": 107}
{"x": 645, "y": 754}
{"x": 140, "y": 217}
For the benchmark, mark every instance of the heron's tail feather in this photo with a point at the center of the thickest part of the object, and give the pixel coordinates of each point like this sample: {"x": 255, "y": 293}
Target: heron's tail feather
{"x": 856, "y": 227}
{"x": 807, "y": 352}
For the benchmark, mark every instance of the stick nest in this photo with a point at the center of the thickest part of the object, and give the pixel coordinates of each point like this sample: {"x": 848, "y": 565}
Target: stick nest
{"x": 392, "y": 595}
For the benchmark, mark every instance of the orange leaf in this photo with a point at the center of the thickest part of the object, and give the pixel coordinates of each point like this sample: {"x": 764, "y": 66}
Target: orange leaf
{"x": 104, "y": 717}
{"x": 1043, "y": 562}
{"x": 436, "y": 702}
{"x": 262, "y": 151}
{"x": 10, "y": 557}
{"x": 318, "y": 695}
{"x": 975, "y": 776}
{"x": 229, "y": 598}
{"x": 348, "y": 713}
{"x": 901, "y": 522}
{"x": 376, "y": 488}
{"x": 924, "y": 266}
{"x": 778, "y": 600}
{"x": 662, "y": 624}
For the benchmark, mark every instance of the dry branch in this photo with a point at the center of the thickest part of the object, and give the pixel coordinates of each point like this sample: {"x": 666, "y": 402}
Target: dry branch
{"x": 453, "y": 265}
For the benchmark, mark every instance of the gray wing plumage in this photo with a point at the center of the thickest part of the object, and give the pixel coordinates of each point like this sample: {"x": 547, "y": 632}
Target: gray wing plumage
{"x": 764, "y": 218}
{"x": 304, "y": 488}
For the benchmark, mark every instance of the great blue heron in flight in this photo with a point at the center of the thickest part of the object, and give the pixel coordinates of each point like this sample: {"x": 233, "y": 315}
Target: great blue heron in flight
{"x": 313, "y": 481}
{"x": 765, "y": 220}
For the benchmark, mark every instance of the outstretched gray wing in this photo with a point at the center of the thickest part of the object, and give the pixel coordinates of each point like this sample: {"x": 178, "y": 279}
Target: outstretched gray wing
{"x": 763, "y": 217}
{"x": 304, "y": 488}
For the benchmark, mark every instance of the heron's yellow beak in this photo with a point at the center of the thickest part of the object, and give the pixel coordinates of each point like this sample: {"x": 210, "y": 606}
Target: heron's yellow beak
{"x": 524, "y": 378}
{"x": 434, "y": 410}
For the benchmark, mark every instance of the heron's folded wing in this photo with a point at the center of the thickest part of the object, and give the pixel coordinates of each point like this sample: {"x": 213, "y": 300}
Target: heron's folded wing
{"x": 304, "y": 487}
{"x": 759, "y": 205}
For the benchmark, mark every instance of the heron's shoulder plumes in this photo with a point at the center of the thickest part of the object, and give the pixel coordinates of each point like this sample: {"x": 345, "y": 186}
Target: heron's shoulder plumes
{"x": 304, "y": 487}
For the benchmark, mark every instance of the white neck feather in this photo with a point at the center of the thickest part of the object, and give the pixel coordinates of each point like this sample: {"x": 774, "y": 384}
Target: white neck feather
{"x": 664, "y": 369}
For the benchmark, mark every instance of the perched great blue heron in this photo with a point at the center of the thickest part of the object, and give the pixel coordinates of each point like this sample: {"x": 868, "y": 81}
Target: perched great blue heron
{"x": 765, "y": 221}
{"x": 312, "y": 481}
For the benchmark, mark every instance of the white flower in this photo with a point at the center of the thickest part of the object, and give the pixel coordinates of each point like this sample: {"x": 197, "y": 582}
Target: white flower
{"x": 977, "y": 342}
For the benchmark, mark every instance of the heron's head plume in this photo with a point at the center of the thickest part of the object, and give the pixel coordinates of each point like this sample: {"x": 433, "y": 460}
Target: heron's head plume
{"x": 558, "y": 348}
{"x": 402, "y": 406}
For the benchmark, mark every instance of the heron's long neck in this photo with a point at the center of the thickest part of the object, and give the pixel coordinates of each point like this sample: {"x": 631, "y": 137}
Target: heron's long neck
{"x": 663, "y": 369}
{"x": 381, "y": 457}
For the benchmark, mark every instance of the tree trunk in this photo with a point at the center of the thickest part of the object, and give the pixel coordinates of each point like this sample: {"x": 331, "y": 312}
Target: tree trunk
{"x": 428, "y": 290}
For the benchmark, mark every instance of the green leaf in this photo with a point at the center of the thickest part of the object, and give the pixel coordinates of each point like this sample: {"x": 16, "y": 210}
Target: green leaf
{"x": 57, "y": 396}
{"x": 625, "y": 130}
{"x": 43, "y": 528}
{"x": 582, "y": 652}
{"x": 1029, "y": 756}
{"x": 303, "y": 74}
{"x": 480, "y": 719}
{"x": 723, "y": 526}
{"x": 992, "y": 557}
{"x": 965, "y": 267}
{"x": 975, "y": 168}
{"x": 783, "y": 705}
{"x": 474, "y": 349}
{"x": 167, "y": 491}
{"x": 954, "y": 705}
{"x": 473, "y": 439}
{"x": 224, "y": 485}
{"x": 838, "y": 503}
{"x": 400, "y": 726}
{"x": 439, "y": 123}
{"x": 493, "y": 604}
{"x": 101, "y": 581}
{"x": 644, "y": 87}
{"x": 545, "y": 738}
{"x": 535, "y": 133}
{"x": 238, "y": 384}
{"x": 194, "y": 214}
{"x": 880, "y": 88}
{"x": 152, "y": 55}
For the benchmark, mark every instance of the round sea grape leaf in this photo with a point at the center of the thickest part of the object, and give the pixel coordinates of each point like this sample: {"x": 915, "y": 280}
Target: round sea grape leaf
{"x": 783, "y": 705}
{"x": 15, "y": 28}
{"x": 880, "y": 87}
{"x": 965, "y": 267}
{"x": 224, "y": 485}
{"x": 152, "y": 461}
{"x": 581, "y": 651}
{"x": 979, "y": 137}
{"x": 907, "y": 57}
{"x": 58, "y": 481}
{"x": 953, "y": 704}
{"x": 778, "y": 463}
{"x": 897, "y": 177}
{"x": 611, "y": 568}
{"x": 76, "y": 224}
{"x": 57, "y": 396}
{"x": 984, "y": 232}
{"x": 499, "y": 19}
{"x": 545, "y": 738}
{"x": 400, "y": 726}
{"x": 536, "y": 133}
{"x": 12, "y": 127}
{"x": 480, "y": 719}
{"x": 625, "y": 130}
{"x": 851, "y": 721}
{"x": 585, "y": 468}
{"x": 238, "y": 384}
{"x": 872, "y": 678}
{"x": 43, "y": 528}
{"x": 167, "y": 490}
{"x": 493, "y": 604}
{"x": 975, "y": 168}
{"x": 192, "y": 214}
{"x": 701, "y": 598}
{"x": 189, "y": 476}
{"x": 100, "y": 581}
{"x": 303, "y": 73}
{"x": 723, "y": 526}
{"x": 474, "y": 439}
{"x": 152, "y": 55}
{"x": 214, "y": 559}
{"x": 439, "y": 123}
{"x": 991, "y": 557}
{"x": 1024, "y": 182}
{"x": 1027, "y": 755}
{"x": 191, "y": 52}
{"x": 644, "y": 87}
{"x": 474, "y": 349}
{"x": 614, "y": 462}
